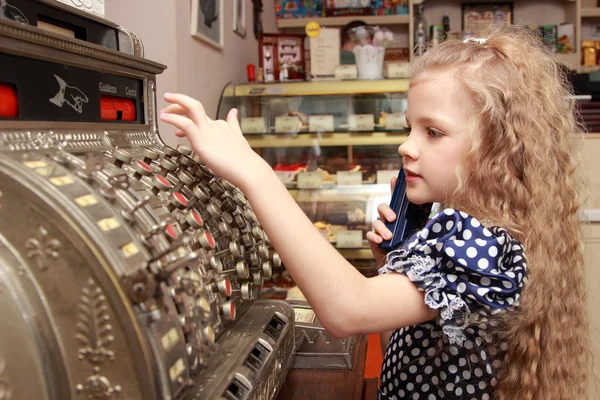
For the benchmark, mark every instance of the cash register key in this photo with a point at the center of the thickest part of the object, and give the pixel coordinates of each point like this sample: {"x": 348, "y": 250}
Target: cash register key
{"x": 185, "y": 179}
{"x": 187, "y": 162}
{"x": 185, "y": 150}
{"x": 248, "y": 239}
{"x": 267, "y": 269}
{"x": 253, "y": 258}
{"x": 178, "y": 201}
{"x": 217, "y": 187}
{"x": 242, "y": 270}
{"x": 224, "y": 229}
{"x": 216, "y": 264}
{"x": 257, "y": 278}
{"x": 228, "y": 309}
{"x": 239, "y": 198}
{"x": 240, "y": 222}
{"x": 258, "y": 233}
{"x": 228, "y": 185}
{"x": 121, "y": 157}
{"x": 263, "y": 250}
{"x": 150, "y": 155}
{"x": 276, "y": 259}
{"x": 192, "y": 219}
{"x": 160, "y": 184}
{"x": 234, "y": 249}
{"x": 171, "y": 232}
{"x": 249, "y": 215}
{"x": 205, "y": 239}
{"x": 223, "y": 286}
{"x": 167, "y": 166}
{"x": 213, "y": 210}
{"x": 200, "y": 194}
{"x": 246, "y": 291}
{"x": 141, "y": 168}
{"x": 196, "y": 158}
{"x": 169, "y": 151}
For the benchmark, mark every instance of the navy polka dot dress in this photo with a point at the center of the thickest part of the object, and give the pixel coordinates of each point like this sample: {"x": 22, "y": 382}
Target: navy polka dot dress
{"x": 468, "y": 272}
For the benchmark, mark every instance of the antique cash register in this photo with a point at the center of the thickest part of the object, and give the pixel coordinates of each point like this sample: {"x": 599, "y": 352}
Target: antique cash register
{"x": 127, "y": 269}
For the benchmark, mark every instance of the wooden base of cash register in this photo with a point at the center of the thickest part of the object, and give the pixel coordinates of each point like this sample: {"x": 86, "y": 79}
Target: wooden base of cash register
{"x": 327, "y": 384}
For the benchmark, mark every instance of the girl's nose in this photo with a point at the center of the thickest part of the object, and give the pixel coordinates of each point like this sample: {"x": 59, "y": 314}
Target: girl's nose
{"x": 408, "y": 149}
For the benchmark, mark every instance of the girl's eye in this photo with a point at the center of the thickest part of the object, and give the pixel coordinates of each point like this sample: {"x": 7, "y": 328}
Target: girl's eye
{"x": 408, "y": 130}
{"x": 434, "y": 133}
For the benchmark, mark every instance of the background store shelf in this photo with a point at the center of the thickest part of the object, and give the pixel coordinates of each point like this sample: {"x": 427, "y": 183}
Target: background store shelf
{"x": 341, "y": 21}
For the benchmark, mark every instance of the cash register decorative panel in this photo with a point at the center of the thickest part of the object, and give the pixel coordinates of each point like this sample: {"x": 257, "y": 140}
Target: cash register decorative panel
{"x": 128, "y": 270}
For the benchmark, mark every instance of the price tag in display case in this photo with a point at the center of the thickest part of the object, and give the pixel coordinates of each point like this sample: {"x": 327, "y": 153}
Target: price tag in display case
{"x": 361, "y": 122}
{"x": 253, "y": 125}
{"x": 395, "y": 121}
{"x": 386, "y": 175}
{"x": 320, "y": 123}
{"x": 310, "y": 180}
{"x": 349, "y": 239}
{"x": 349, "y": 178}
{"x": 396, "y": 70}
{"x": 287, "y": 124}
{"x": 283, "y": 176}
{"x": 346, "y": 72}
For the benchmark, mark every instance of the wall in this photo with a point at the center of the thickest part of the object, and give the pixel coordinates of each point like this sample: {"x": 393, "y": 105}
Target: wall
{"x": 144, "y": 17}
{"x": 193, "y": 67}
{"x": 202, "y": 70}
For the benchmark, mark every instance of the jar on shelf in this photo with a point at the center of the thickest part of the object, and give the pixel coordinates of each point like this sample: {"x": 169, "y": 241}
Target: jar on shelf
{"x": 589, "y": 52}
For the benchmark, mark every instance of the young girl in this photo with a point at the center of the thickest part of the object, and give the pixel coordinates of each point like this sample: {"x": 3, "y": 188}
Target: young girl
{"x": 487, "y": 300}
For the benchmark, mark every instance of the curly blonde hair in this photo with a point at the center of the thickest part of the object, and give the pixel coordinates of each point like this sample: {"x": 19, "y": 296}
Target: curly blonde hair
{"x": 522, "y": 173}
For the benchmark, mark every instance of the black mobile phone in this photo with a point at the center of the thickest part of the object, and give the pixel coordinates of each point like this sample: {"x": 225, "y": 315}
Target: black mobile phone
{"x": 409, "y": 217}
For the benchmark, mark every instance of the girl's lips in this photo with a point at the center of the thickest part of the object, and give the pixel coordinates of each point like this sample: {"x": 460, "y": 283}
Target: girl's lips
{"x": 411, "y": 177}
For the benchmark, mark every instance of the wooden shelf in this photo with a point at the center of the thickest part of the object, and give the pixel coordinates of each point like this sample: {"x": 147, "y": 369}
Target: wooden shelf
{"x": 590, "y": 12}
{"x": 341, "y": 21}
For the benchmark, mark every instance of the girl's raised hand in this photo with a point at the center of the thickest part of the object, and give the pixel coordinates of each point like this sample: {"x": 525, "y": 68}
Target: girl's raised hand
{"x": 220, "y": 144}
{"x": 380, "y": 232}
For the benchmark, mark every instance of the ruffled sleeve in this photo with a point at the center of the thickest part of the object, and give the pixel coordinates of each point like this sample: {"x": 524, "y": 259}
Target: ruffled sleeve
{"x": 463, "y": 267}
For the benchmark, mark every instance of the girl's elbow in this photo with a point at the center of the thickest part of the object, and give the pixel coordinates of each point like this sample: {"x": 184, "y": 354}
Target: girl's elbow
{"x": 339, "y": 328}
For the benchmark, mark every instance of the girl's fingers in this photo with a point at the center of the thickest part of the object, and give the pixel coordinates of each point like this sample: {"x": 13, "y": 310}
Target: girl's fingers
{"x": 174, "y": 109}
{"x": 232, "y": 120}
{"x": 183, "y": 124}
{"x": 381, "y": 230}
{"x": 192, "y": 107}
{"x": 179, "y": 133}
{"x": 374, "y": 238}
{"x": 393, "y": 183}
{"x": 386, "y": 213}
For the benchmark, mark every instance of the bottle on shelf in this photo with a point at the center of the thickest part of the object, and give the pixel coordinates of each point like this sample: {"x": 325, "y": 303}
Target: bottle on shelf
{"x": 446, "y": 23}
{"x": 420, "y": 32}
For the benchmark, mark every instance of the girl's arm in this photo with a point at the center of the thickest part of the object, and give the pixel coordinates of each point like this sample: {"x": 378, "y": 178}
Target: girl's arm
{"x": 345, "y": 301}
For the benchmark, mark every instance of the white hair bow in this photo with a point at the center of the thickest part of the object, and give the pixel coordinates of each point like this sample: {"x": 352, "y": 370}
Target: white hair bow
{"x": 475, "y": 40}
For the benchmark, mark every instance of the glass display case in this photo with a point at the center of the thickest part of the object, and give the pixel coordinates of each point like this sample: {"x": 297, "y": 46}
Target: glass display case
{"x": 335, "y": 146}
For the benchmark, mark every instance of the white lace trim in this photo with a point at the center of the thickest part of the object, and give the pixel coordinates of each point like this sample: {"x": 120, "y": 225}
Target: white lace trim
{"x": 419, "y": 269}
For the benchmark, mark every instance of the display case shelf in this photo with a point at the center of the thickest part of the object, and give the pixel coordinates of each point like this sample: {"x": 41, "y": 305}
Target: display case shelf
{"x": 318, "y": 88}
{"x": 341, "y": 21}
{"x": 326, "y": 139}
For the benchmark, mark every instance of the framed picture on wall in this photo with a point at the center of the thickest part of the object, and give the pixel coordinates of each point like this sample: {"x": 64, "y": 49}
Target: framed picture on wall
{"x": 207, "y": 21}
{"x": 239, "y": 17}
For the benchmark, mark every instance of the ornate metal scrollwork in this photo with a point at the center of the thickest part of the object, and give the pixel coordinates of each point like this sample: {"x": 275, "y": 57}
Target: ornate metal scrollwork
{"x": 42, "y": 248}
{"x": 94, "y": 334}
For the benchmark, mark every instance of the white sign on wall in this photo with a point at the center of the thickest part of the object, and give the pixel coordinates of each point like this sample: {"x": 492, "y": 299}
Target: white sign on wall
{"x": 95, "y": 7}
